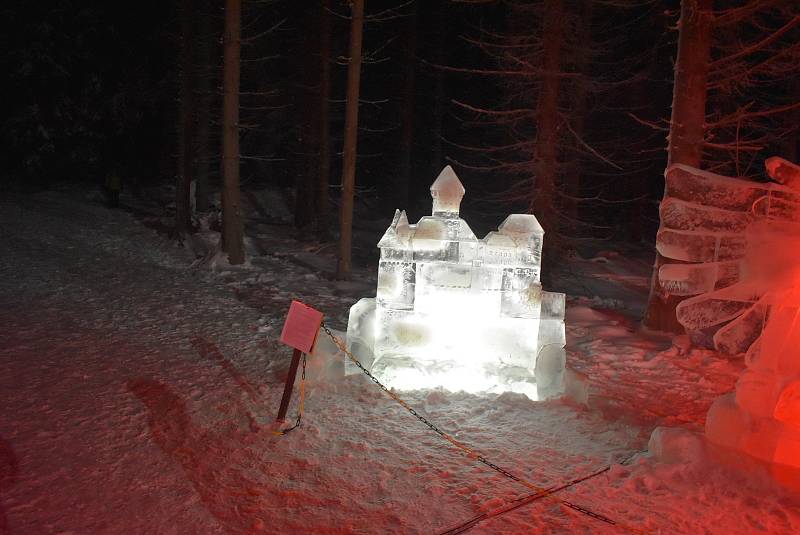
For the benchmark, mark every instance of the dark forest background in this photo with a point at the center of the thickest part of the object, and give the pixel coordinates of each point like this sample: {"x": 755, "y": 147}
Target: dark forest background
{"x": 94, "y": 87}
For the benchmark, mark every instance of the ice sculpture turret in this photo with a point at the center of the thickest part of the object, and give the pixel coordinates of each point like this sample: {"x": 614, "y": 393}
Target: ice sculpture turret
{"x": 458, "y": 312}
{"x": 447, "y": 192}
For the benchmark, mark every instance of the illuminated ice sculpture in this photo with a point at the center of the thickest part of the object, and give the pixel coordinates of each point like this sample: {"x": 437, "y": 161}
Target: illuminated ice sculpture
{"x": 461, "y": 313}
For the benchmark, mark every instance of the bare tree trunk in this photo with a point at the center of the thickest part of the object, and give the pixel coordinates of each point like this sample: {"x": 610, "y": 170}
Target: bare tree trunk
{"x": 344, "y": 266}
{"x": 202, "y": 185}
{"x": 323, "y": 178}
{"x": 687, "y": 128}
{"x": 546, "y": 147}
{"x": 401, "y": 187}
{"x": 791, "y": 145}
{"x": 232, "y": 239}
{"x": 186, "y": 142}
{"x": 307, "y": 148}
{"x": 438, "y": 98}
{"x": 690, "y": 86}
{"x": 579, "y": 106}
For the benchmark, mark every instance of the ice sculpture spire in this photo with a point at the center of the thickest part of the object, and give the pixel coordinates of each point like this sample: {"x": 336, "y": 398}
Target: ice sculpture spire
{"x": 447, "y": 192}
{"x": 398, "y": 233}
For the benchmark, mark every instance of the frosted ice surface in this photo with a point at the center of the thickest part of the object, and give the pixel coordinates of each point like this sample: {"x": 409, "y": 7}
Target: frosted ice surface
{"x": 430, "y": 234}
{"x": 752, "y": 357}
{"x": 762, "y": 417}
{"x": 526, "y": 231}
{"x": 787, "y": 408}
{"x": 361, "y": 334}
{"x": 402, "y": 227}
{"x": 496, "y": 240}
{"x": 549, "y": 370}
{"x": 693, "y": 279}
{"x": 705, "y": 191}
{"x": 757, "y": 392}
{"x": 523, "y": 295}
{"x": 554, "y": 305}
{"x": 692, "y": 246}
{"x": 447, "y": 192}
{"x": 521, "y": 225}
{"x": 732, "y": 232}
{"x": 688, "y": 279}
{"x": 735, "y": 337}
{"x": 682, "y": 215}
{"x": 464, "y": 233}
{"x": 783, "y": 171}
{"x": 726, "y": 425}
{"x": 552, "y": 332}
{"x": 693, "y": 185}
{"x": 780, "y": 340}
{"x": 726, "y": 228}
{"x": 718, "y": 307}
{"x": 783, "y": 210}
{"x": 390, "y": 237}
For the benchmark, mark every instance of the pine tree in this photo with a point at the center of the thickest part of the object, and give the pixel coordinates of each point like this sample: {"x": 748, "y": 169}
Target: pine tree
{"x": 323, "y": 176}
{"x": 686, "y": 131}
{"x": 206, "y": 74}
{"x": 232, "y": 232}
{"x": 733, "y": 75}
{"x": 407, "y": 98}
{"x": 186, "y": 152}
{"x": 344, "y": 266}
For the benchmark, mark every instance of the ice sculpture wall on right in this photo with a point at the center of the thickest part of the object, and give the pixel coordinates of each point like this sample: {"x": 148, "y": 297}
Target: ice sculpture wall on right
{"x": 762, "y": 416}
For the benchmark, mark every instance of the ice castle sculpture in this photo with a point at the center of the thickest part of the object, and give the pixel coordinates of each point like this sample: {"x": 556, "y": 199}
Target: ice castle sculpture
{"x": 461, "y": 313}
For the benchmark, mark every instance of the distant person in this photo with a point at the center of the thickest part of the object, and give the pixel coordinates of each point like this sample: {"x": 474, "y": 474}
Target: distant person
{"x": 113, "y": 187}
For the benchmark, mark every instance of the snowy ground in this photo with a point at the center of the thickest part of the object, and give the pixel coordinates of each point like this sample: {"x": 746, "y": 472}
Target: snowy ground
{"x": 136, "y": 392}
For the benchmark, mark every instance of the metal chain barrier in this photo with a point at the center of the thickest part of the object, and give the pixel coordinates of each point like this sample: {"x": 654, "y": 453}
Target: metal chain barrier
{"x": 539, "y": 492}
{"x": 300, "y": 404}
{"x": 525, "y": 500}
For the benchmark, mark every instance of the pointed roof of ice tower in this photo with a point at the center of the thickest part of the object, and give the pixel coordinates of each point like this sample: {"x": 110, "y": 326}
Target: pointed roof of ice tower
{"x": 447, "y": 192}
{"x": 398, "y": 233}
{"x": 521, "y": 225}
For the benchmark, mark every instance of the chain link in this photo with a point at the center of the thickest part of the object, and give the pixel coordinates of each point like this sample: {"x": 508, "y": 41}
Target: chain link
{"x": 540, "y": 492}
{"x": 525, "y": 500}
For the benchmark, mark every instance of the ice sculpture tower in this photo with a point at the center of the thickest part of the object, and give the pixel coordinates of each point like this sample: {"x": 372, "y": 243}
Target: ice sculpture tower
{"x": 458, "y": 312}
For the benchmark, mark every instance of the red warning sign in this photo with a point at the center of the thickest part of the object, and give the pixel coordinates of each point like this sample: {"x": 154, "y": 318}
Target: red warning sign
{"x": 301, "y": 327}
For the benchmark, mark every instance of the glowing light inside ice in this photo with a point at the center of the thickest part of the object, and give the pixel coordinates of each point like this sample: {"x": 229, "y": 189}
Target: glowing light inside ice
{"x": 461, "y": 313}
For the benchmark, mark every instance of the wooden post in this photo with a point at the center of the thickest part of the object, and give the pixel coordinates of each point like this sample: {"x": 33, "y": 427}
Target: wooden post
{"x": 300, "y": 333}
{"x": 289, "y": 386}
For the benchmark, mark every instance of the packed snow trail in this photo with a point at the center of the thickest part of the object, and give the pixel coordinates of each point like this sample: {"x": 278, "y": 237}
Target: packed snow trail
{"x": 135, "y": 392}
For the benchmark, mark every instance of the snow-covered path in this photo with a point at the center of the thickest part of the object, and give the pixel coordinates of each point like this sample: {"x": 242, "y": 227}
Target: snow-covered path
{"x": 133, "y": 393}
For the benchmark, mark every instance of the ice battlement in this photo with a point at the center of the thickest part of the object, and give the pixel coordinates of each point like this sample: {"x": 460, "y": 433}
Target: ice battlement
{"x": 451, "y": 305}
